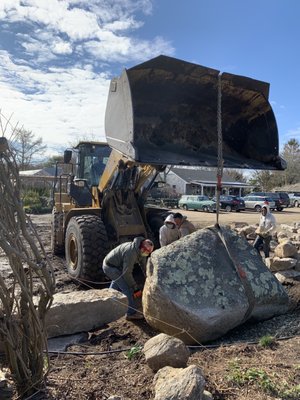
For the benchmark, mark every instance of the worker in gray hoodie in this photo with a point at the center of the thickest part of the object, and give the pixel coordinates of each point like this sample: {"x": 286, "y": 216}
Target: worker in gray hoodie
{"x": 118, "y": 266}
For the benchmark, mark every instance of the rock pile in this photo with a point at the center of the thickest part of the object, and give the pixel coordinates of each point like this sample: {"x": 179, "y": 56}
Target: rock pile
{"x": 284, "y": 261}
{"x": 168, "y": 357}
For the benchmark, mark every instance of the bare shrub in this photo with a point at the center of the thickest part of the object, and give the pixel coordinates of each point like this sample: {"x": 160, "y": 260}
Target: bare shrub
{"x": 27, "y": 295}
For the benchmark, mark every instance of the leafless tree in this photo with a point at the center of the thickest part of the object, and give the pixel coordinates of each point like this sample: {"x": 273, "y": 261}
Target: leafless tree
{"x": 23, "y": 143}
{"x": 26, "y": 147}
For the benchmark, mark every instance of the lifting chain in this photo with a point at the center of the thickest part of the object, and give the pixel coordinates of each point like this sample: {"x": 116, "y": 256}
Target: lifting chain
{"x": 220, "y": 147}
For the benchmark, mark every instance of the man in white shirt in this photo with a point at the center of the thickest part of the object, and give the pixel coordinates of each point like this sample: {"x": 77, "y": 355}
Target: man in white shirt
{"x": 267, "y": 226}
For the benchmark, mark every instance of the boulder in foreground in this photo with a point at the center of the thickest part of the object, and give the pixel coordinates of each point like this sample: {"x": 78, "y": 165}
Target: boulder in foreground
{"x": 205, "y": 284}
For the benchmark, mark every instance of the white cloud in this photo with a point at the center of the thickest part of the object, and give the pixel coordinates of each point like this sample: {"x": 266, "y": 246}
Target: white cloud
{"x": 66, "y": 104}
{"x": 54, "y": 78}
{"x": 125, "y": 48}
{"x": 61, "y": 47}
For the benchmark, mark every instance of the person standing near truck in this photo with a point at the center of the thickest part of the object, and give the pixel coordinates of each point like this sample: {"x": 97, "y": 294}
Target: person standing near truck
{"x": 267, "y": 226}
{"x": 118, "y": 266}
{"x": 184, "y": 226}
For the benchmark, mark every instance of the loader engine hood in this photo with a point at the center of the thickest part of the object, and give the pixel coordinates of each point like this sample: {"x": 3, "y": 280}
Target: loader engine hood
{"x": 164, "y": 111}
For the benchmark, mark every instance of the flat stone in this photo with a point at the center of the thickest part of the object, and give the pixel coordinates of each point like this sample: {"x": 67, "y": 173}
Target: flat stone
{"x": 62, "y": 343}
{"x": 82, "y": 311}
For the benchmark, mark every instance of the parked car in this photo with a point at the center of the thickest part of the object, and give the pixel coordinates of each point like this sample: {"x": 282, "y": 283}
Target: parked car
{"x": 294, "y": 199}
{"x": 229, "y": 203}
{"x": 197, "y": 202}
{"x": 284, "y": 199}
{"x": 168, "y": 202}
{"x": 281, "y": 199}
{"x": 256, "y": 202}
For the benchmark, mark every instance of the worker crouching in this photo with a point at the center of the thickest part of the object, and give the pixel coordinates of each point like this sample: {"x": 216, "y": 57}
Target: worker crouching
{"x": 118, "y": 266}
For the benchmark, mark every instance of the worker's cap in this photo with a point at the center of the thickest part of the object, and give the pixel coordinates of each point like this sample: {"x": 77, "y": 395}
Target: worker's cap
{"x": 146, "y": 246}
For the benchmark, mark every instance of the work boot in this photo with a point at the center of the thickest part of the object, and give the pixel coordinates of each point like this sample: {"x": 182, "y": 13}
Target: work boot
{"x": 135, "y": 316}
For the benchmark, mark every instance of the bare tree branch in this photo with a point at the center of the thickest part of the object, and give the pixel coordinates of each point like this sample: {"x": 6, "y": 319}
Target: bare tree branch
{"x": 26, "y": 298}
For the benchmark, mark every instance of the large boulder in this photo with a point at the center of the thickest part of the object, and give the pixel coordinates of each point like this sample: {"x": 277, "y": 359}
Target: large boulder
{"x": 207, "y": 283}
{"x": 81, "y": 311}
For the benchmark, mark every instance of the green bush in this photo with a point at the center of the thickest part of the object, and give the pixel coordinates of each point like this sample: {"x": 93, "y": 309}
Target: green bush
{"x": 36, "y": 201}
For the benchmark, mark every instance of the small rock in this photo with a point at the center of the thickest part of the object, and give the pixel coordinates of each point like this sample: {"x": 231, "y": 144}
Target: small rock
{"x": 179, "y": 383}
{"x": 164, "y": 350}
{"x": 281, "y": 264}
{"x": 283, "y": 276}
{"x": 285, "y": 249}
{"x": 207, "y": 395}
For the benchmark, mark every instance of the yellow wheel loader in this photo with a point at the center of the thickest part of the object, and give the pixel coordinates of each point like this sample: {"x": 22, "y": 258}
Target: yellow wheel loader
{"x": 159, "y": 113}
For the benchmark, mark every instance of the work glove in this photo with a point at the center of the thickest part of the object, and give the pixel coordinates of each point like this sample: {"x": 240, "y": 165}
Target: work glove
{"x": 137, "y": 294}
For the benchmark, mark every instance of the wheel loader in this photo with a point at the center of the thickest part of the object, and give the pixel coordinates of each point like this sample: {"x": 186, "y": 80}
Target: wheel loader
{"x": 160, "y": 113}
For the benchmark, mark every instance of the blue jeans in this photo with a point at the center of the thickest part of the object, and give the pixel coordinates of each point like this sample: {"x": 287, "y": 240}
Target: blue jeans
{"x": 265, "y": 241}
{"x": 119, "y": 283}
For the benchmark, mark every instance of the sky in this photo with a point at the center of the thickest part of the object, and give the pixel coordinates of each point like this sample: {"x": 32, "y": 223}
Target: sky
{"x": 57, "y": 57}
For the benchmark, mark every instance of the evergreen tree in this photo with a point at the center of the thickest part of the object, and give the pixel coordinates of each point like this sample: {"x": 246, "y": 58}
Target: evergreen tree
{"x": 291, "y": 154}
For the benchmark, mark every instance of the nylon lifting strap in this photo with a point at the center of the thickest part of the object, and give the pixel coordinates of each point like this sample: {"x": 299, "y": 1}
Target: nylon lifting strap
{"x": 240, "y": 273}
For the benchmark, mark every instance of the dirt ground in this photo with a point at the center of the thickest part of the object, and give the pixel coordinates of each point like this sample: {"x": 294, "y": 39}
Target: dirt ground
{"x": 244, "y": 364}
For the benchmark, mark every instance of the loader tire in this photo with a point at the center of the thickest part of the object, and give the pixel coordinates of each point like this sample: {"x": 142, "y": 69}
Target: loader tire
{"x": 86, "y": 246}
{"x": 57, "y": 242}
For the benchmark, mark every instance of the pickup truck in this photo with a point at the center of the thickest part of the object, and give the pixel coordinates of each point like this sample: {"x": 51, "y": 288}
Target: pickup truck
{"x": 294, "y": 199}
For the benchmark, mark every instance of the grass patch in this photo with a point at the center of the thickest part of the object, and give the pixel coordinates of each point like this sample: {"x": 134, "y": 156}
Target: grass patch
{"x": 133, "y": 352}
{"x": 258, "y": 377}
{"x": 267, "y": 341}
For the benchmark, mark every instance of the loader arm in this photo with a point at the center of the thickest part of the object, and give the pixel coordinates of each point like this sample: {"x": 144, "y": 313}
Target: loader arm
{"x": 118, "y": 162}
{"x": 121, "y": 194}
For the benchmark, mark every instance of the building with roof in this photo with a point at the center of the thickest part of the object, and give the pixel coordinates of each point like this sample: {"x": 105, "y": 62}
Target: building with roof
{"x": 38, "y": 178}
{"x": 202, "y": 181}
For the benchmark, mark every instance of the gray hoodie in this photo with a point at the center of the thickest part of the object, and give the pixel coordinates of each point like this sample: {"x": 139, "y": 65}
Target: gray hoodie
{"x": 124, "y": 257}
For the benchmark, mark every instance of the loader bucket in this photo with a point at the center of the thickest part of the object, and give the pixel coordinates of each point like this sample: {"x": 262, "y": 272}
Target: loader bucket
{"x": 164, "y": 111}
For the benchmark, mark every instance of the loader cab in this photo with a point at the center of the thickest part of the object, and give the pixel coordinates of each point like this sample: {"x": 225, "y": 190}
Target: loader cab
{"x": 86, "y": 163}
{"x": 92, "y": 159}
